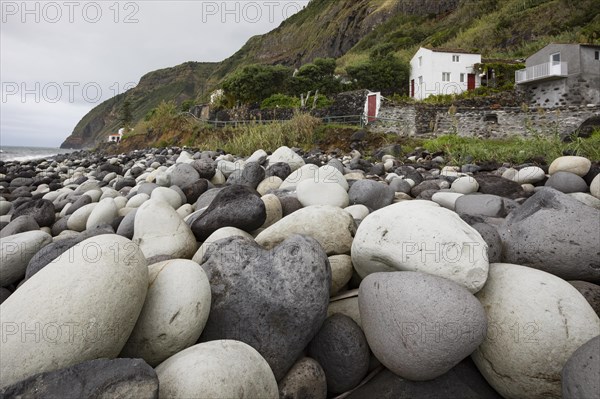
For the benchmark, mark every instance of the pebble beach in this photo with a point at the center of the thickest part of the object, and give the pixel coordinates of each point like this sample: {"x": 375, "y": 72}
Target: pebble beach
{"x": 176, "y": 273}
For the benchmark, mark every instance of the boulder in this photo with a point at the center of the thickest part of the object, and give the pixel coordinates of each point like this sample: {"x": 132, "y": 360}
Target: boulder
{"x": 117, "y": 378}
{"x": 567, "y": 182}
{"x": 275, "y": 301}
{"x": 420, "y": 236}
{"x": 234, "y": 206}
{"x": 581, "y": 374}
{"x": 183, "y": 174}
{"x": 16, "y": 251}
{"x": 418, "y": 325}
{"x": 465, "y": 185}
{"x": 372, "y": 194}
{"x": 341, "y": 272}
{"x": 224, "y": 232}
{"x": 174, "y": 313}
{"x": 341, "y": 349}
{"x": 103, "y": 213}
{"x": 321, "y": 193}
{"x": 42, "y": 211}
{"x": 554, "y": 233}
{"x": 577, "y": 165}
{"x": 286, "y": 155}
{"x": 331, "y": 226}
{"x": 83, "y": 306}
{"x": 536, "y": 321}
{"x": 159, "y": 230}
{"x": 20, "y": 224}
{"x": 305, "y": 380}
{"x": 217, "y": 369}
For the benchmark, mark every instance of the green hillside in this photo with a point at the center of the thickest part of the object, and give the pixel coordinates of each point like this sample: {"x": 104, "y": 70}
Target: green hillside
{"x": 349, "y": 30}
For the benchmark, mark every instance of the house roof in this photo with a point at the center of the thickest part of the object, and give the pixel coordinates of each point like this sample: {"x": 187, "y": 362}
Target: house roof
{"x": 451, "y": 50}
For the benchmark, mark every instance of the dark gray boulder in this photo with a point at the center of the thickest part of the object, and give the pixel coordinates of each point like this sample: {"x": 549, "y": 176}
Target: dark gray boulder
{"x": 553, "y": 232}
{"x": 250, "y": 176}
{"x": 183, "y": 174}
{"x": 372, "y": 194}
{"x": 274, "y": 301}
{"x": 94, "y": 379}
{"x": 279, "y": 169}
{"x": 498, "y": 185}
{"x": 581, "y": 373}
{"x": 42, "y": 211}
{"x": 234, "y": 206}
{"x": 567, "y": 182}
{"x": 341, "y": 349}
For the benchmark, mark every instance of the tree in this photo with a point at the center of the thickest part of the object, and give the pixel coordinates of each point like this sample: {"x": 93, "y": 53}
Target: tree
{"x": 383, "y": 72}
{"x": 126, "y": 116}
{"x": 254, "y": 83}
{"x": 318, "y": 75}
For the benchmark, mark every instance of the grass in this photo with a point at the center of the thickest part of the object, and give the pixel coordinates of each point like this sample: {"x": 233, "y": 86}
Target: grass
{"x": 517, "y": 150}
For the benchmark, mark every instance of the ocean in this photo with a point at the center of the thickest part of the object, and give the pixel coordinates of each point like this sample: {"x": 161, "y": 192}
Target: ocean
{"x": 21, "y": 154}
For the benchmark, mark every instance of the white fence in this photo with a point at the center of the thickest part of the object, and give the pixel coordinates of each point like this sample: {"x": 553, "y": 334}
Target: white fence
{"x": 541, "y": 71}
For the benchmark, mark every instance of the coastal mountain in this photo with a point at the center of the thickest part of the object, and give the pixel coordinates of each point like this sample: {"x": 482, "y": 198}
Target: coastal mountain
{"x": 349, "y": 30}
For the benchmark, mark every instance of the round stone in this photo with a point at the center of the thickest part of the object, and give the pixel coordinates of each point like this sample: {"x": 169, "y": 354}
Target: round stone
{"x": 341, "y": 272}
{"x": 358, "y": 212}
{"x": 167, "y": 195}
{"x": 341, "y": 349}
{"x": 595, "y": 187}
{"x": 273, "y": 209}
{"x": 567, "y": 182}
{"x": 159, "y": 230}
{"x": 183, "y": 174}
{"x": 78, "y": 220}
{"x": 222, "y": 233}
{"x": 268, "y": 184}
{"x": 85, "y": 303}
{"x": 305, "y": 380}
{"x": 372, "y": 194}
{"x": 536, "y": 322}
{"x": 465, "y": 185}
{"x": 580, "y": 375}
{"x": 438, "y": 242}
{"x": 42, "y": 211}
{"x": 331, "y": 226}
{"x": 306, "y": 172}
{"x": 576, "y": 165}
{"x": 286, "y": 155}
{"x": 217, "y": 369}
{"x": 529, "y": 175}
{"x": 174, "y": 313}
{"x": 16, "y": 251}
{"x": 418, "y": 325}
{"x": 103, "y": 213}
{"x": 446, "y": 199}
{"x": 321, "y": 193}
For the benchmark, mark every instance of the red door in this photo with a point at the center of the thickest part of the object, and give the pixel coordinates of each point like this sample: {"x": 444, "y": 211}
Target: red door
{"x": 471, "y": 81}
{"x": 412, "y": 88}
{"x": 372, "y": 112}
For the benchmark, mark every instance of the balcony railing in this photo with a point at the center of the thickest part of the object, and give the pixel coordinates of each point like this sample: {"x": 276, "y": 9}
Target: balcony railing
{"x": 546, "y": 71}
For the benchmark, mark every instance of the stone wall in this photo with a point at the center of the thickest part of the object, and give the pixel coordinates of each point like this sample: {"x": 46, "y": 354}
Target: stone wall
{"x": 574, "y": 90}
{"x": 420, "y": 120}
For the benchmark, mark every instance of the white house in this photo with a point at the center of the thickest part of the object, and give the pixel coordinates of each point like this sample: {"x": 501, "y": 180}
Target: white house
{"x": 443, "y": 71}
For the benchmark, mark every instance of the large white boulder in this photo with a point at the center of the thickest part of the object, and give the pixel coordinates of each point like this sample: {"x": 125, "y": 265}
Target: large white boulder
{"x": 217, "y": 369}
{"x": 416, "y": 236}
{"x": 159, "y": 230}
{"x": 535, "y": 322}
{"x": 286, "y": 155}
{"x": 174, "y": 313}
{"x": 577, "y": 165}
{"x": 80, "y": 307}
{"x": 104, "y": 213}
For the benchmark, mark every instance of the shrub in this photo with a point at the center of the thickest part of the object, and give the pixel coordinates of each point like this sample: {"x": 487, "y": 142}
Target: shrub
{"x": 280, "y": 101}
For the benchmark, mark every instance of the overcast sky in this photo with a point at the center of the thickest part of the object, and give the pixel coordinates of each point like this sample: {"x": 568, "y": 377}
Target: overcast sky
{"x": 59, "y": 59}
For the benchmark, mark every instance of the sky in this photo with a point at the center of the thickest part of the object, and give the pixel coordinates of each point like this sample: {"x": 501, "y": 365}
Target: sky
{"x": 59, "y": 59}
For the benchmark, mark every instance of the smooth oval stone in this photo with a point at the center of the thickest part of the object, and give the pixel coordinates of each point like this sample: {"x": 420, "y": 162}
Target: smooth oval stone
{"x": 286, "y": 155}
{"x": 372, "y": 194}
{"x": 347, "y": 305}
{"x": 82, "y": 306}
{"x": 595, "y": 186}
{"x": 16, "y": 251}
{"x": 305, "y": 380}
{"x": 535, "y": 323}
{"x": 280, "y": 170}
{"x": 5, "y": 207}
{"x": 174, "y": 313}
{"x": 274, "y": 300}
{"x": 18, "y": 225}
{"x": 117, "y": 378}
{"x": 567, "y": 182}
{"x": 555, "y": 233}
{"x": 159, "y": 230}
{"x": 273, "y": 209}
{"x": 268, "y": 184}
{"x": 126, "y": 227}
{"x": 465, "y": 185}
{"x": 78, "y": 220}
{"x": 437, "y": 242}
{"x": 341, "y": 349}
{"x": 577, "y": 165}
{"x": 529, "y": 175}
{"x": 251, "y": 175}
{"x": 581, "y": 374}
{"x": 446, "y": 199}
{"x": 331, "y": 226}
{"x": 103, "y": 213}
{"x": 217, "y": 369}
{"x": 418, "y": 325}
{"x": 183, "y": 174}
{"x": 224, "y": 232}
{"x": 83, "y": 200}
{"x": 167, "y": 195}
{"x": 358, "y": 212}
{"x": 234, "y": 206}
{"x": 321, "y": 193}
{"x": 341, "y": 272}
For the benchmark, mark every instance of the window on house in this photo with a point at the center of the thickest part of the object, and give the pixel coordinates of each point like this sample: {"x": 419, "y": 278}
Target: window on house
{"x": 420, "y": 61}
{"x": 420, "y": 80}
{"x": 597, "y": 55}
{"x": 455, "y": 58}
{"x": 445, "y": 76}
{"x": 555, "y": 58}
{"x": 462, "y": 78}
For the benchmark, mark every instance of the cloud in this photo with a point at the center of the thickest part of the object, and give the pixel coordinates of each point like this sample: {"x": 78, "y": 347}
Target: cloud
{"x": 54, "y": 55}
